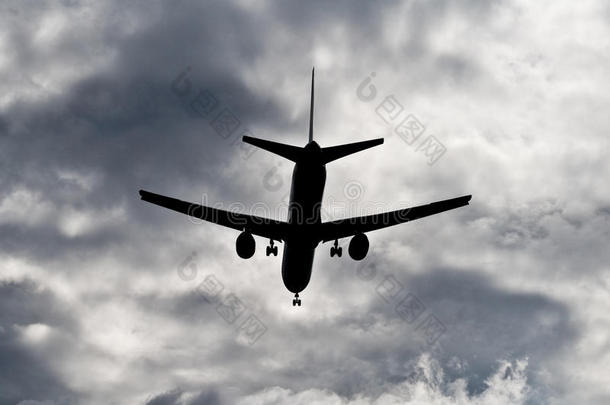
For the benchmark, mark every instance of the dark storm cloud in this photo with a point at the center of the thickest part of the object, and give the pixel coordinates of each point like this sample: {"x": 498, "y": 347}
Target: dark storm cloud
{"x": 127, "y": 124}
{"x": 166, "y": 398}
{"x": 25, "y": 373}
{"x": 174, "y": 398}
{"x": 187, "y": 307}
{"x": 510, "y": 324}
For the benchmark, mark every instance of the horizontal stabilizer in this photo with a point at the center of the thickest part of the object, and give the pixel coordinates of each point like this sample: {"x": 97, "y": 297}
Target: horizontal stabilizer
{"x": 339, "y": 151}
{"x": 289, "y": 152}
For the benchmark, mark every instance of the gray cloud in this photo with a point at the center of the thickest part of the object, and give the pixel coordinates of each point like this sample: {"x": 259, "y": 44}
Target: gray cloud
{"x": 92, "y": 309}
{"x": 174, "y": 397}
{"x": 27, "y": 375}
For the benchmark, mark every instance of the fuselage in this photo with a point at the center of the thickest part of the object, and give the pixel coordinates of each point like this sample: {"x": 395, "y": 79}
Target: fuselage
{"x": 304, "y": 214}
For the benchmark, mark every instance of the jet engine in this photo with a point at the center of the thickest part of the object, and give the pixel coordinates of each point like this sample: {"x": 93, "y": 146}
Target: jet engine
{"x": 358, "y": 246}
{"x": 245, "y": 245}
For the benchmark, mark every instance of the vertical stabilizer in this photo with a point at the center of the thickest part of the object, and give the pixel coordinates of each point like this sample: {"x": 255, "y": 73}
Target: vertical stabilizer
{"x": 311, "y": 109}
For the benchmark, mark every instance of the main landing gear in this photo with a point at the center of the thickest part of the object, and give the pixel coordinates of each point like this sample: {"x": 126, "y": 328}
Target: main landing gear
{"x": 271, "y": 250}
{"x": 336, "y": 250}
{"x": 296, "y": 300}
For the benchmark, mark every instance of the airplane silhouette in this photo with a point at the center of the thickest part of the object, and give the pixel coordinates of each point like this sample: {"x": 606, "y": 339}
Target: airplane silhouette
{"x": 304, "y": 229}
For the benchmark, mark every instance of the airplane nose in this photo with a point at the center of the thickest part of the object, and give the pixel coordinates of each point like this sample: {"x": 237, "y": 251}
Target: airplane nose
{"x": 296, "y": 268}
{"x": 296, "y": 278}
{"x": 295, "y": 287}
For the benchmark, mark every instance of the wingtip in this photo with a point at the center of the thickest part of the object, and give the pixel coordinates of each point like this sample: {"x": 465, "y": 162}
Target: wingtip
{"x": 249, "y": 139}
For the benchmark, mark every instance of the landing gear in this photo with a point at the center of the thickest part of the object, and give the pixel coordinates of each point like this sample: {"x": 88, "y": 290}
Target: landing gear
{"x": 271, "y": 250}
{"x": 336, "y": 250}
{"x": 296, "y": 300}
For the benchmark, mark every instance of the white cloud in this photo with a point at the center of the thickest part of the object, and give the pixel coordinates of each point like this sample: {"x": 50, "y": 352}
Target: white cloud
{"x": 428, "y": 385}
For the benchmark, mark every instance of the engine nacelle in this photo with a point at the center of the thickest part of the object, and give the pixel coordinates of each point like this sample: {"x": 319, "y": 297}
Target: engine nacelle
{"x": 245, "y": 245}
{"x": 358, "y": 246}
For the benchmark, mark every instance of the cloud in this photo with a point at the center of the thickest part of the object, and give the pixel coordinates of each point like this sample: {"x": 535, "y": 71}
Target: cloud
{"x": 30, "y": 322}
{"x": 100, "y": 100}
{"x": 507, "y": 385}
{"x": 176, "y": 397}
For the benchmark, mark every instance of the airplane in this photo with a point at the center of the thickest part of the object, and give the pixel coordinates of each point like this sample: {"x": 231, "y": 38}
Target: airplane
{"x": 304, "y": 230}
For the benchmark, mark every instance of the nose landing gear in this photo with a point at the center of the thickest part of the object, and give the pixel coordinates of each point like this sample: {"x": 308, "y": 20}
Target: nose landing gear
{"x": 296, "y": 300}
{"x": 336, "y": 250}
{"x": 271, "y": 250}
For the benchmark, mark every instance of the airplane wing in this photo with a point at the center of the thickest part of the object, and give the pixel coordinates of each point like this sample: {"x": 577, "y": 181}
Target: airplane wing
{"x": 350, "y": 226}
{"x": 265, "y": 227}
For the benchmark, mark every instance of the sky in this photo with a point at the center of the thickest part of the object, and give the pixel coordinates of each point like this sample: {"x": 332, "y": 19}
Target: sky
{"x": 106, "y": 299}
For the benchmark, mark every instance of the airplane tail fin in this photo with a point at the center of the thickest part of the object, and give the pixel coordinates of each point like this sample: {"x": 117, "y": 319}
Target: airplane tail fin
{"x": 337, "y": 152}
{"x": 326, "y": 155}
{"x": 311, "y": 109}
{"x": 289, "y": 152}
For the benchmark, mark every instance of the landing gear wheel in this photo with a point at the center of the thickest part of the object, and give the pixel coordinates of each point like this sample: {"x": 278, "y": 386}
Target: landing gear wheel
{"x": 296, "y": 300}
{"x": 271, "y": 250}
{"x": 336, "y": 250}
